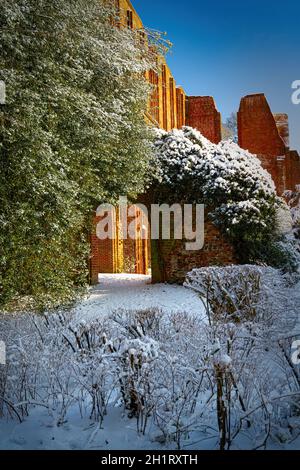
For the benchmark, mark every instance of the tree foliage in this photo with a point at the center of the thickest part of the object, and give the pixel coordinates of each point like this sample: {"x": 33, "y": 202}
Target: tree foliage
{"x": 73, "y": 135}
{"x": 231, "y": 123}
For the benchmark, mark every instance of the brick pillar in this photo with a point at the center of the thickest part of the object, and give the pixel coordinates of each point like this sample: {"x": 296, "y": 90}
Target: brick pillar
{"x": 180, "y": 107}
{"x": 203, "y": 115}
{"x": 104, "y": 254}
{"x": 262, "y": 135}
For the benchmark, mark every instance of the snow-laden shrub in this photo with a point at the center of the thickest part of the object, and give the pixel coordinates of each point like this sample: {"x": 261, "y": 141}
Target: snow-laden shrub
{"x": 238, "y": 293}
{"x": 293, "y": 200}
{"x": 231, "y": 182}
{"x": 251, "y": 311}
{"x": 282, "y": 253}
{"x": 135, "y": 355}
{"x": 225, "y": 177}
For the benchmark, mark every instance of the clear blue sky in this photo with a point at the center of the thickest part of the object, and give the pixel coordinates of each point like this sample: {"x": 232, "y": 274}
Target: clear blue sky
{"x": 228, "y": 49}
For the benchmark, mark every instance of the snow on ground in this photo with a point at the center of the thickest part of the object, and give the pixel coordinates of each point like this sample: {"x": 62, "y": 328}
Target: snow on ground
{"x": 41, "y": 431}
{"x": 135, "y": 291}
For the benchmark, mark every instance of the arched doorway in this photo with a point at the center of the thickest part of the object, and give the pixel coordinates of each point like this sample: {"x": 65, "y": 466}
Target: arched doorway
{"x": 126, "y": 249}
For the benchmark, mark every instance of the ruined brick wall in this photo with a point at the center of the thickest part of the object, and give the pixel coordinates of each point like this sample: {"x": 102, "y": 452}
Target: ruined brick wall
{"x": 267, "y": 136}
{"x": 258, "y": 133}
{"x": 166, "y": 109}
{"x": 171, "y": 261}
{"x": 106, "y": 255}
{"x": 118, "y": 255}
{"x": 180, "y": 107}
{"x": 202, "y": 114}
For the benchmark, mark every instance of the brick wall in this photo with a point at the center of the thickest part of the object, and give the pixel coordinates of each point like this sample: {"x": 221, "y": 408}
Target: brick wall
{"x": 257, "y": 128}
{"x": 258, "y": 133}
{"x": 201, "y": 113}
{"x": 118, "y": 255}
{"x": 171, "y": 262}
{"x": 180, "y": 107}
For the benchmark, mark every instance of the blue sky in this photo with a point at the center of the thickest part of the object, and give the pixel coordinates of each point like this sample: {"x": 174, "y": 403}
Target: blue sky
{"x": 228, "y": 49}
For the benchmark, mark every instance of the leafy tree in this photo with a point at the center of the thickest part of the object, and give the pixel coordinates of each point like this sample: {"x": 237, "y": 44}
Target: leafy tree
{"x": 73, "y": 134}
{"x": 230, "y": 128}
{"x": 231, "y": 123}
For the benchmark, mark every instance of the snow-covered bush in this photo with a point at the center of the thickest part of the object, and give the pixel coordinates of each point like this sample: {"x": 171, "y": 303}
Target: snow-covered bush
{"x": 286, "y": 250}
{"x": 293, "y": 200}
{"x": 237, "y": 293}
{"x": 225, "y": 177}
{"x": 231, "y": 182}
{"x": 243, "y": 355}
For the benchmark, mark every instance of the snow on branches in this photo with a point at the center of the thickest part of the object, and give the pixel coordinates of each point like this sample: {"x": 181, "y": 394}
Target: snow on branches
{"x": 230, "y": 180}
{"x": 227, "y": 383}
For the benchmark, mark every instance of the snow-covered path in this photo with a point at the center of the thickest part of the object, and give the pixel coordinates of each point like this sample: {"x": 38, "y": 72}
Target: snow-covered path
{"x": 132, "y": 291}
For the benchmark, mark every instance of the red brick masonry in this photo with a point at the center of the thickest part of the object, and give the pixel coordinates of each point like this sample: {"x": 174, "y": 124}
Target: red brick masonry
{"x": 260, "y": 132}
{"x": 267, "y": 136}
{"x": 203, "y": 115}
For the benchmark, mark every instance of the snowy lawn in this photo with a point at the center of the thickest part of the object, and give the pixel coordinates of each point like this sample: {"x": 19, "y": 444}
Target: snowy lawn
{"x": 135, "y": 291}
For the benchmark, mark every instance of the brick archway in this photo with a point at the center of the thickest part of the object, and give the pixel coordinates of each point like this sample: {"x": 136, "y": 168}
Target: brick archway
{"x": 118, "y": 254}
